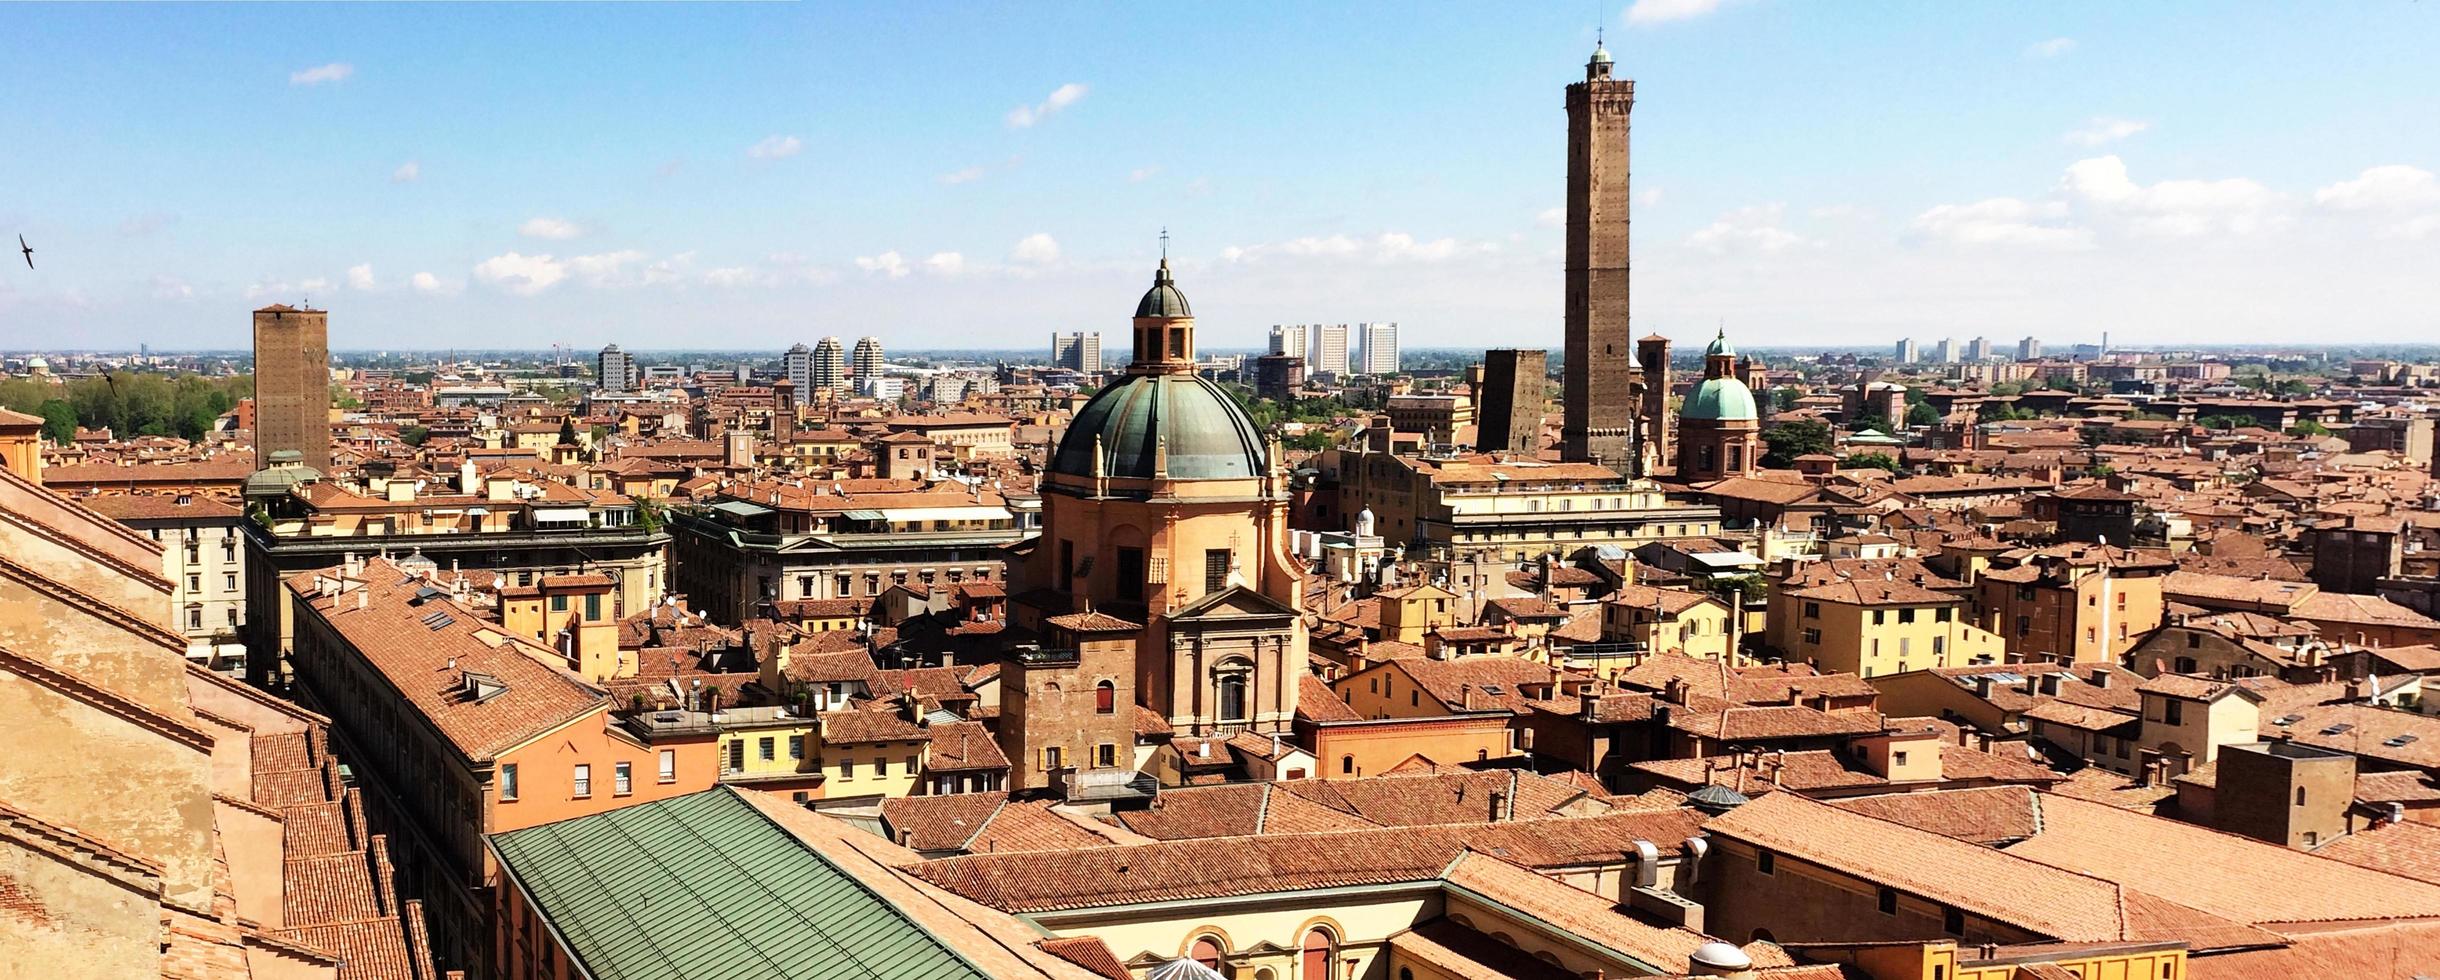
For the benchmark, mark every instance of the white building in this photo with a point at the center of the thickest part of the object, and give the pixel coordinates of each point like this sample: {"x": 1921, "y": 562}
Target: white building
{"x": 797, "y": 366}
{"x": 1077, "y": 352}
{"x": 829, "y": 369}
{"x": 1380, "y": 351}
{"x": 1905, "y": 354}
{"x": 1327, "y": 354}
{"x": 1945, "y": 352}
{"x": 616, "y": 371}
{"x": 885, "y": 389}
{"x": 867, "y": 359}
{"x": 1289, "y": 340}
{"x": 2028, "y": 349}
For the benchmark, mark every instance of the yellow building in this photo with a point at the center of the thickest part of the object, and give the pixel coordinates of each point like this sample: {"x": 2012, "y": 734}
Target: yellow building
{"x": 873, "y": 753}
{"x": 1694, "y": 623}
{"x": 1409, "y": 614}
{"x": 1870, "y": 627}
{"x": 575, "y": 615}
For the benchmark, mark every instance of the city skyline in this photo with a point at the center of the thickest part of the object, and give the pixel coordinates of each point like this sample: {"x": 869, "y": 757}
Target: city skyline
{"x": 843, "y": 175}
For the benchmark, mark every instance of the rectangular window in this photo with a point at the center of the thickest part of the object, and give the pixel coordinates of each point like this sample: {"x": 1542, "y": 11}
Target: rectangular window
{"x": 194, "y": 618}
{"x": 1766, "y": 862}
{"x": 623, "y": 778}
{"x": 593, "y": 608}
{"x": 796, "y": 747}
{"x": 1215, "y": 569}
{"x": 804, "y": 586}
{"x": 508, "y": 780}
{"x": 2173, "y": 712}
{"x": 228, "y": 583}
{"x": 1131, "y": 574}
{"x": 1813, "y": 610}
{"x": 1906, "y": 615}
{"x": 1879, "y": 616}
{"x": 559, "y": 603}
{"x": 583, "y": 780}
{"x": 737, "y": 755}
{"x": 765, "y": 749}
{"x": 1953, "y": 922}
{"x": 1897, "y": 758}
{"x": 1813, "y": 637}
{"x": 1050, "y": 757}
{"x": 1105, "y": 755}
{"x": 1942, "y": 614}
{"x": 194, "y": 583}
{"x": 847, "y": 769}
{"x": 669, "y": 765}
{"x": 1067, "y": 562}
{"x": 1889, "y": 901}
{"x": 881, "y": 766}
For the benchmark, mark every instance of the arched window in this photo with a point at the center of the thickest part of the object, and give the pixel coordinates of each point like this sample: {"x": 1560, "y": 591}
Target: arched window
{"x": 1206, "y": 950}
{"x": 1105, "y": 698}
{"x": 1321, "y": 949}
{"x": 1232, "y": 697}
{"x": 1347, "y": 764}
{"x": 2299, "y": 796}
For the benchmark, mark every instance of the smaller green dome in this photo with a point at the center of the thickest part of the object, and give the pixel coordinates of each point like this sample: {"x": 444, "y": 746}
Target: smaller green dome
{"x": 1601, "y": 55}
{"x": 1163, "y": 299}
{"x": 1721, "y": 400}
{"x": 1719, "y": 346}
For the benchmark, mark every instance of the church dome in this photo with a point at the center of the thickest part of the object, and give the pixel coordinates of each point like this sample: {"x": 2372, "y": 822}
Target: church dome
{"x": 1721, "y": 400}
{"x": 1163, "y": 299}
{"x": 1719, "y": 347}
{"x": 1209, "y": 437}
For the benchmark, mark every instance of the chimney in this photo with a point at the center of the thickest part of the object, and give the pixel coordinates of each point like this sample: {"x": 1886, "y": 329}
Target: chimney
{"x": 1588, "y": 704}
{"x": 1674, "y": 692}
{"x": 2102, "y": 677}
{"x": 1499, "y": 804}
{"x": 2050, "y": 685}
{"x": 1465, "y": 697}
{"x": 1982, "y": 686}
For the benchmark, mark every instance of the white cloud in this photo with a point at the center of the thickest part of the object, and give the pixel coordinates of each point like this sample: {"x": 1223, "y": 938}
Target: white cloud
{"x": 945, "y": 263}
{"x": 524, "y": 275}
{"x": 551, "y": 228}
{"x": 1747, "y": 229}
{"x": 612, "y": 268}
{"x": 407, "y": 173}
{"x": 1837, "y": 212}
{"x": 360, "y": 277}
{"x": 2393, "y": 187}
{"x": 2105, "y": 129}
{"x": 2002, "y": 221}
{"x": 1551, "y": 217}
{"x": 1387, "y": 248}
{"x": 1664, "y": 11}
{"x": 337, "y": 71}
{"x": 1648, "y": 197}
{"x": 963, "y": 176}
{"x": 2051, "y": 48}
{"x": 425, "y": 282}
{"x": 1142, "y": 174}
{"x": 776, "y": 148}
{"x": 890, "y": 264}
{"x": 1060, "y": 98}
{"x": 1038, "y": 248}
{"x": 166, "y": 287}
{"x": 2172, "y": 208}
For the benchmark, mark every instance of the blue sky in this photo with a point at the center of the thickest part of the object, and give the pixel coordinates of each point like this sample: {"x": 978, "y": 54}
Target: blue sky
{"x": 751, "y": 176}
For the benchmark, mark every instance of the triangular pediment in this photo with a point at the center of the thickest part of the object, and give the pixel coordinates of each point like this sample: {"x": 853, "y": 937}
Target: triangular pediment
{"x": 1234, "y": 601}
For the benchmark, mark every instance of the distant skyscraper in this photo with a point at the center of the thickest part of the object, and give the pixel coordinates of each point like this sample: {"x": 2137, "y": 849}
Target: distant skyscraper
{"x": 867, "y": 359}
{"x": 1905, "y": 353}
{"x": 829, "y": 371}
{"x": 615, "y": 370}
{"x": 1597, "y": 391}
{"x": 2028, "y": 349}
{"x": 291, "y": 384}
{"x": 1289, "y": 340}
{"x": 1077, "y": 352}
{"x": 1510, "y": 400}
{"x": 1380, "y": 352}
{"x": 1945, "y": 352}
{"x": 1328, "y": 352}
{"x": 1978, "y": 349}
{"x": 797, "y": 366}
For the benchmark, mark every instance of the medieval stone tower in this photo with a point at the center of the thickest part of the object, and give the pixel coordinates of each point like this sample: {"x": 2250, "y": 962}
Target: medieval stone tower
{"x": 1602, "y": 392}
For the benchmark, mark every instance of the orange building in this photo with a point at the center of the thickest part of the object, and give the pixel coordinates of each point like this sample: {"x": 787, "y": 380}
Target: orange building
{"x": 470, "y": 728}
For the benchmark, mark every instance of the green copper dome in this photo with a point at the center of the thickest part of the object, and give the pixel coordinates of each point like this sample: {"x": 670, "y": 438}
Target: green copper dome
{"x": 1163, "y": 299}
{"x": 1719, "y": 346}
{"x": 1721, "y": 400}
{"x": 1209, "y": 437}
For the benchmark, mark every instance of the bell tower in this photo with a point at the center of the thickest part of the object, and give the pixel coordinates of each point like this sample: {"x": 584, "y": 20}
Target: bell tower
{"x": 1600, "y": 377}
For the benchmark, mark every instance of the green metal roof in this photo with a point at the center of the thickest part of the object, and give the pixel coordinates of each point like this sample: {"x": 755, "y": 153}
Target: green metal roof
{"x": 1723, "y": 399}
{"x": 704, "y": 885}
{"x": 1209, "y": 437}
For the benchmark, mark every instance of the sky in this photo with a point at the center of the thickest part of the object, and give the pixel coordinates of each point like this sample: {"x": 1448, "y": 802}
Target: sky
{"x": 955, "y": 176}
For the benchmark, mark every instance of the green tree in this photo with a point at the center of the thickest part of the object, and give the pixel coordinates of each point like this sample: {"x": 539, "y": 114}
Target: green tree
{"x": 2225, "y": 422}
{"x": 2308, "y": 427}
{"x": 1786, "y": 396}
{"x": 2062, "y": 384}
{"x": 2006, "y": 388}
{"x": 58, "y": 421}
{"x": 2293, "y": 388}
{"x": 1915, "y": 396}
{"x": 1869, "y": 420}
{"x": 1788, "y": 440}
{"x": 1922, "y": 413}
{"x": 1877, "y": 461}
{"x": 413, "y": 435}
{"x": 1750, "y": 585}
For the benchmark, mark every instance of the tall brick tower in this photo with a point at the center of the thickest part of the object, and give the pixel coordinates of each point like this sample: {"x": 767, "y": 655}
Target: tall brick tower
{"x": 1600, "y": 376}
{"x": 292, "y": 384}
{"x": 1652, "y": 355}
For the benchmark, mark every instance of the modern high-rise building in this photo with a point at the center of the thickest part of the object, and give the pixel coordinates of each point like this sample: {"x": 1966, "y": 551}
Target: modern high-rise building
{"x": 2029, "y": 349}
{"x": 615, "y": 370}
{"x": 829, "y": 370}
{"x": 797, "y": 366}
{"x": 1077, "y": 352}
{"x": 1598, "y": 388}
{"x": 1945, "y": 352}
{"x": 1327, "y": 355}
{"x": 867, "y": 359}
{"x": 1905, "y": 354}
{"x": 292, "y": 384}
{"x": 1511, "y": 395}
{"x": 1379, "y": 354}
{"x": 1978, "y": 349}
{"x": 1289, "y": 340}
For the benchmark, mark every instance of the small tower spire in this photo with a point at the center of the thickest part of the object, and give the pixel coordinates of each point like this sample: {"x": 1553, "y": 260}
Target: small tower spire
{"x": 1164, "y": 245}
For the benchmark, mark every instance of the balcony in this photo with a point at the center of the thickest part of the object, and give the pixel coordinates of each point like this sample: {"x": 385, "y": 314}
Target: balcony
{"x": 1110, "y": 786}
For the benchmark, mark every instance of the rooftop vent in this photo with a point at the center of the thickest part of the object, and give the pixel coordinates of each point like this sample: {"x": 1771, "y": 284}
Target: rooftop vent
{"x": 2286, "y": 720}
{"x": 2399, "y": 741}
{"x": 482, "y": 687}
{"x": 437, "y": 619}
{"x": 2338, "y": 729}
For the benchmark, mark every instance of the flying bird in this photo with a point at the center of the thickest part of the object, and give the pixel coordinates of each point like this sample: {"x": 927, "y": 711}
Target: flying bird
{"x": 27, "y": 249}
